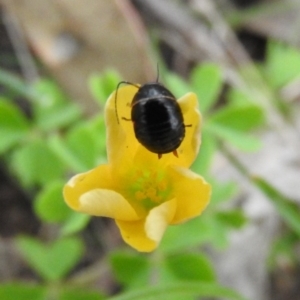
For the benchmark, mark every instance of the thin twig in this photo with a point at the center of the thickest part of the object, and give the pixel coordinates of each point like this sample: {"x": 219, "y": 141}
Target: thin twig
{"x": 19, "y": 44}
{"x": 177, "y": 18}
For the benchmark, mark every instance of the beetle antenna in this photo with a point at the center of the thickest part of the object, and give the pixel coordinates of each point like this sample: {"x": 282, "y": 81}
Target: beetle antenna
{"x": 116, "y": 95}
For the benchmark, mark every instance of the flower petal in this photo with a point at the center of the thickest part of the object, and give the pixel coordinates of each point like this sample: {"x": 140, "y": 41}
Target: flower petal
{"x": 191, "y": 191}
{"x": 121, "y": 141}
{"x": 189, "y": 147}
{"x": 107, "y": 203}
{"x": 95, "y": 193}
{"x": 145, "y": 235}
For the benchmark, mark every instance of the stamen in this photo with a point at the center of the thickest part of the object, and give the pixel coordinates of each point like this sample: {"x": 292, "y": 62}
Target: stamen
{"x": 162, "y": 186}
{"x": 150, "y": 188}
{"x": 151, "y": 192}
{"x": 140, "y": 196}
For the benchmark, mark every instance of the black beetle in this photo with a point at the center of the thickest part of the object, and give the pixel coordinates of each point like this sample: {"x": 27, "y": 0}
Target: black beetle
{"x": 157, "y": 118}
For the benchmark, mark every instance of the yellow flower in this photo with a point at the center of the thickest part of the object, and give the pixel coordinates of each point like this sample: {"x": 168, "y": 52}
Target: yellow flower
{"x": 142, "y": 193}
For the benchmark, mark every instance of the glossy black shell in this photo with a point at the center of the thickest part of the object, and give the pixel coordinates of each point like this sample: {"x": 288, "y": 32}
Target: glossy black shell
{"x": 157, "y": 119}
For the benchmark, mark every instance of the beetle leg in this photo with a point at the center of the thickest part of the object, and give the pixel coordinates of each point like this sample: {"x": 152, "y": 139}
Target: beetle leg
{"x": 159, "y": 155}
{"x": 175, "y": 153}
{"x": 190, "y": 125}
{"x": 123, "y": 118}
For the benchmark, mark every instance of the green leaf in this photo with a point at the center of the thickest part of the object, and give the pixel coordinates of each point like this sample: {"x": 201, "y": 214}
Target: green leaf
{"x": 49, "y": 92}
{"x": 17, "y": 85}
{"x": 176, "y": 84}
{"x": 284, "y": 248}
{"x": 232, "y": 218}
{"x": 80, "y": 294}
{"x": 50, "y": 206}
{"x": 186, "y": 289}
{"x": 218, "y": 232}
{"x": 83, "y": 145}
{"x": 13, "y": 125}
{"x": 97, "y": 129}
{"x": 96, "y": 86}
{"x": 282, "y": 65}
{"x": 53, "y": 110}
{"x": 35, "y": 163}
{"x": 242, "y": 141}
{"x": 287, "y": 208}
{"x": 190, "y": 234}
{"x": 101, "y": 86}
{"x": 205, "y": 157}
{"x": 239, "y": 117}
{"x": 111, "y": 79}
{"x": 222, "y": 192}
{"x": 207, "y": 82}
{"x": 238, "y": 97}
{"x": 130, "y": 269}
{"x": 65, "y": 155}
{"x": 75, "y": 222}
{"x": 191, "y": 266}
{"x": 22, "y": 291}
{"x": 51, "y": 261}
{"x": 57, "y": 117}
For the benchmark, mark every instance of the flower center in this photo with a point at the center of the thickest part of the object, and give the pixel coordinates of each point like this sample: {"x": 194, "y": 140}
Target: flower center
{"x": 148, "y": 188}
